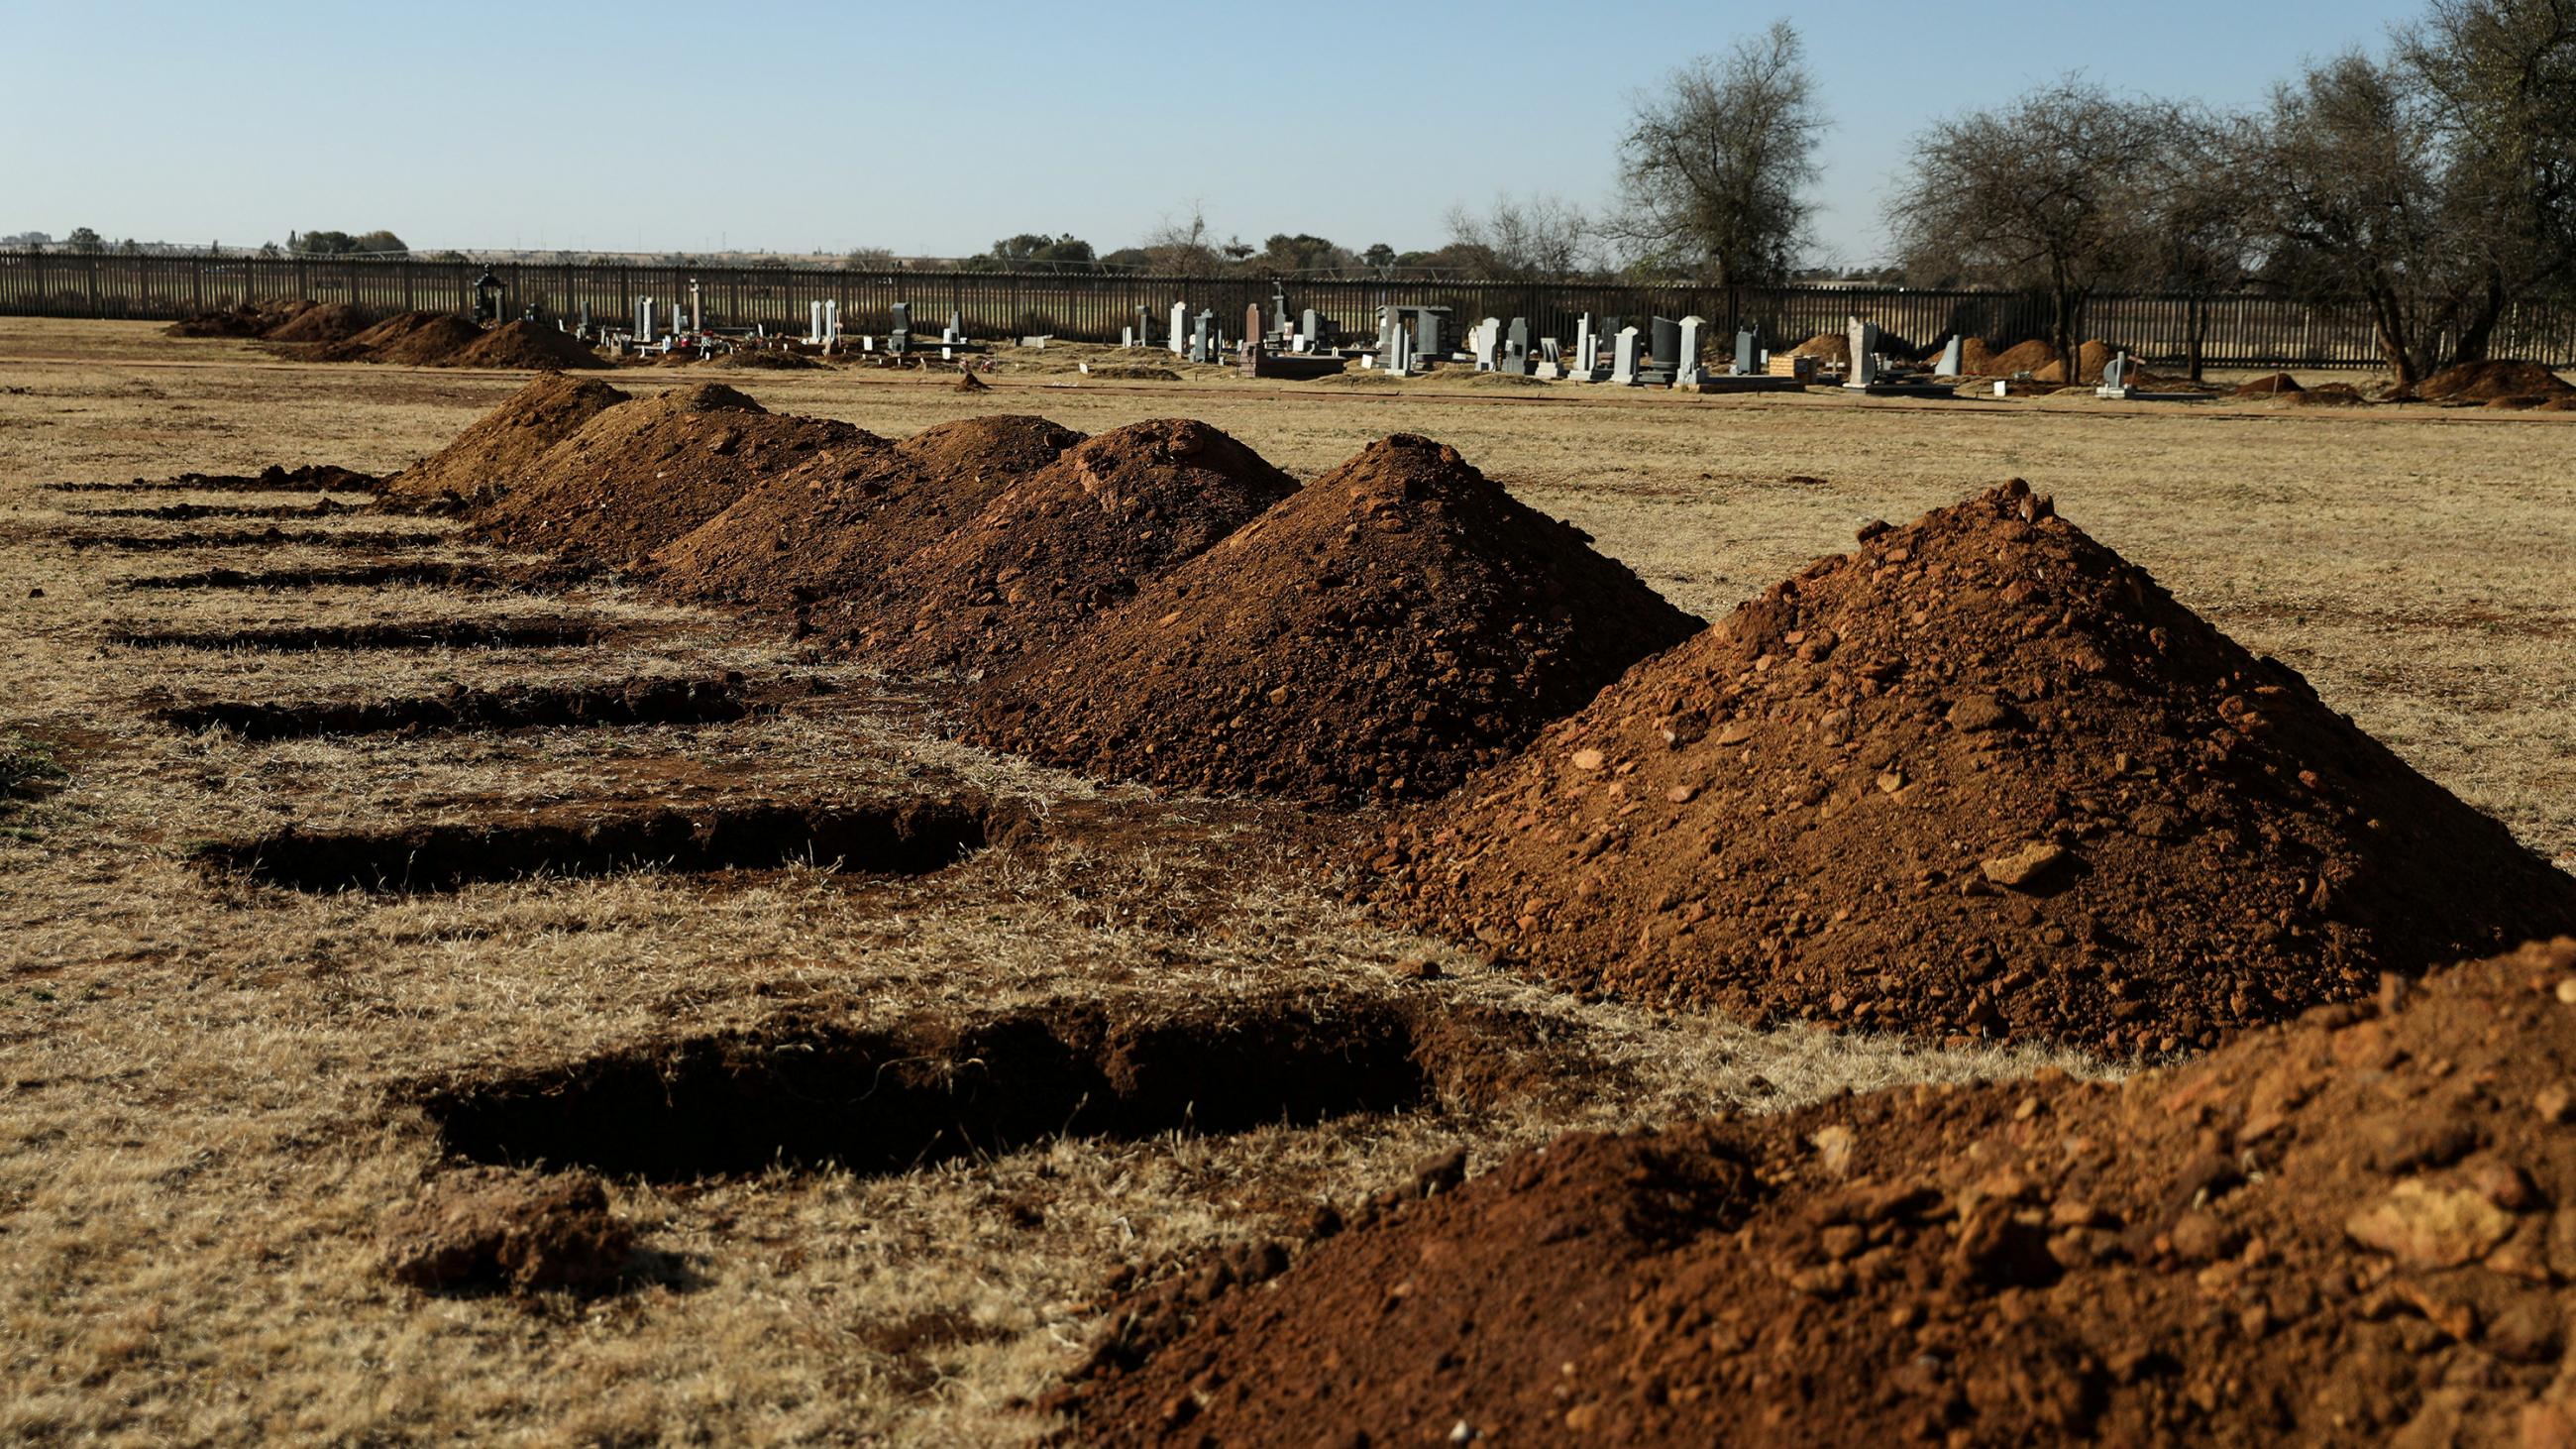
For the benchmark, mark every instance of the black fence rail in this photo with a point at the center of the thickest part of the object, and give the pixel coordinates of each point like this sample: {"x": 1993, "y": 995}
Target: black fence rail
{"x": 2237, "y": 331}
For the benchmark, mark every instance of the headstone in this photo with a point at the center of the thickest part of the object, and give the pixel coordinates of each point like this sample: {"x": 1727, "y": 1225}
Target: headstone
{"x": 1623, "y": 366}
{"x": 1306, "y": 330}
{"x": 1279, "y": 310}
{"x": 1398, "y": 356}
{"x": 1862, "y": 338}
{"x": 1745, "y": 362}
{"x": 1203, "y": 337}
{"x": 832, "y": 325}
{"x": 814, "y": 323}
{"x": 1426, "y": 332}
{"x": 1180, "y": 328}
{"x": 1686, "y": 365}
{"x": 1664, "y": 344}
{"x": 1954, "y": 359}
{"x": 1515, "y": 357}
{"x": 643, "y": 321}
{"x": 1252, "y": 324}
{"x": 2115, "y": 373}
{"x": 1587, "y": 345}
{"x": 1488, "y": 339}
{"x": 1126, "y": 336}
{"x": 899, "y": 339}
{"x": 1144, "y": 324}
{"x": 957, "y": 326}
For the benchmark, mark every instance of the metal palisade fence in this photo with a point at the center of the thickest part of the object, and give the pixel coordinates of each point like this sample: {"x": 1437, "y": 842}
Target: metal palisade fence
{"x": 2244, "y": 330}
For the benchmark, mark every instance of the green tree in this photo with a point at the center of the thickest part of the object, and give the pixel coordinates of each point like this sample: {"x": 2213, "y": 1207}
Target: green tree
{"x": 1717, "y": 172}
{"x": 84, "y": 239}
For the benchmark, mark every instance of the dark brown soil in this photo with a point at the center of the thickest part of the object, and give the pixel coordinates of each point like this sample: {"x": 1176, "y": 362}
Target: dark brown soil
{"x": 2279, "y": 384}
{"x": 179, "y": 512}
{"x": 641, "y": 474}
{"x": 1380, "y": 633}
{"x": 1981, "y": 776}
{"x": 766, "y": 359}
{"x": 1132, "y": 372}
{"x": 969, "y": 382}
{"x": 432, "y": 634}
{"x": 834, "y": 530}
{"x": 2348, "y": 1230}
{"x": 276, "y": 478}
{"x": 2329, "y": 395}
{"x": 426, "y": 573}
{"x": 525, "y": 344}
{"x": 1078, "y": 536}
{"x": 272, "y": 537}
{"x": 2484, "y": 382}
{"x": 1826, "y": 347}
{"x": 810, "y": 1093}
{"x": 511, "y": 707}
{"x": 482, "y": 1230}
{"x": 504, "y": 444}
{"x": 899, "y": 837}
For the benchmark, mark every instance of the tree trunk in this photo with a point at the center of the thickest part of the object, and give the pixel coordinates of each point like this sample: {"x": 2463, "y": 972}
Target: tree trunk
{"x": 2388, "y": 330}
{"x": 2195, "y": 323}
{"x": 2061, "y": 334}
{"x": 2477, "y": 330}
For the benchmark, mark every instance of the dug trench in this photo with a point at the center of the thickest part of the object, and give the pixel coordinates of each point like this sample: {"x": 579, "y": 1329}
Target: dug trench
{"x": 383, "y": 540}
{"x": 319, "y": 508}
{"x": 511, "y": 707}
{"x": 806, "y": 1093}
{"x": 311, "y": 478}
{"x": 425, "y": 574}
{"x": 907, "y": 837}
{"x": 425, "y": 634}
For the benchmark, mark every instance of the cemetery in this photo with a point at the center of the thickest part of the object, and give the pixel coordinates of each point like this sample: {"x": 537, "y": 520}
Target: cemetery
{"x": 1548, "y": 771}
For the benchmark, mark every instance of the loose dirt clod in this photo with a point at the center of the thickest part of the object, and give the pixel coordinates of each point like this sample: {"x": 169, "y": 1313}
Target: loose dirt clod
{"x": 1980, "y": 777}
{"x": 813, "y": 1093}
{"x": 640, "y": 474}
{"x": 2348, "y": 1229}
{"x": 2486, "y": 382}
{"x": 1077, "y": 536}
{"x": 415, "y": 339}
{"x": 491, "y": 1230}
{"x": 2278, "y": 384}
{"x": 504, "y": 444}
{"x": 328, "y": 322}
{"x": 902, "y": 837}
{"x": 1379, "y": 633}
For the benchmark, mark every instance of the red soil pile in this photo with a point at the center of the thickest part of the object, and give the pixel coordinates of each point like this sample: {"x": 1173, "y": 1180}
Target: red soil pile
{"x": 1976, "y": 358}
{"x": 969, "y": 382}
{"x": 2040, "y": 360}
{"x": 834, "y": 528}
{"x": 1832, "y": 347}
{"x": 2349, "y": 1230}
{"x": 765, "y": 359}
{"x": 2279, "y": 384}
{"x": 1385, "y": 630}
{"x": 638, "y": 475}
{"x": 525, "y": 344}
{"x": 2559, "y": 405}
{"x": 1080, "y": 535}
{"x": 504, "y": 444}
{"x": 329, "y": 322}
{"x": 1981, "y": 776}
{"x": 255, "y": 319}
{"x": 2484, "y": 382}
{"x": 414, "y": 339}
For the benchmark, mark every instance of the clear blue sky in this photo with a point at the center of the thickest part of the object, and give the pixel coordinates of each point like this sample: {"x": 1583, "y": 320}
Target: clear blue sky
{"x": 936, "y": 128}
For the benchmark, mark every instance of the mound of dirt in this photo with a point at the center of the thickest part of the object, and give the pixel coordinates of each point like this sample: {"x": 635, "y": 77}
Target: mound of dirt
{"x": 2328, "y": 395}
{"x": 329, "y": 322}
{"x": 2279, "y": 384}
{"x": 2482, "y": 382}
{"x": 638, "y": 475}
{"x": 504, "y": 443}
{"x": 1976, "y": 357}
{"x": 833, "y": 528}
{"x": 1826, "y": 347}
{"x": 482, "y": 1229}
{"x": 1980, "y": 776}
{"x": 2350, "y": 1230}
{"x": 2091, "y": 358}
{"x": 2559, "y": 405}
{"x": 255, "y": 319}
{"x": 413, "y": 339}
{"x": 969, "y": 382}
{"x": 1080, "y": 535}
{"x": 1380, "y": 633}
{"x": 1133, "y": 372}
{"x": 525, "y": 344}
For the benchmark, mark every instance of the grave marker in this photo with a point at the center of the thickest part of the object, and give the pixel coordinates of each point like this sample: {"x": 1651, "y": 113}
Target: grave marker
{"x": 1623, "y": 366}
{"x": 1862, "y": 338}
{"x": 1252, "y": 324}
{"x": 1953, "y": 357}
{"x": 1180, "y": 328}
{"x": 1686, "y": 371}
{"x": 1488, "y": 339}
{"x": 1745, "y": 364}
{"x": 1203, "y": 335}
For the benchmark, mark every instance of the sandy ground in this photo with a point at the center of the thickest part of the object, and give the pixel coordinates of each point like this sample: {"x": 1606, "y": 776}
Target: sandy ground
{"x": 210, "y": 1087}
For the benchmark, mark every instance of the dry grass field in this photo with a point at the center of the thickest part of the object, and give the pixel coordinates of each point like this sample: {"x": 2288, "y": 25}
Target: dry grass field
{"x": 214, "y": 1088}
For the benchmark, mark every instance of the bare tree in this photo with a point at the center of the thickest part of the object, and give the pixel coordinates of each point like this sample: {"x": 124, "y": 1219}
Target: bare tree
{"x": 1183, "y": 247}
{"x": 2202, "y": 232}
{"x": 2055, "y": 193}
{"x": 1541, "y": 239}
{"x": 1716, "y": 172}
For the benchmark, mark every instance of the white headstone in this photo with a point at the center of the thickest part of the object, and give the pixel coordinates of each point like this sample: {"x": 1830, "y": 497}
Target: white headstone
{"x": 1488, "y": 337}
{"x": 1686, "y": 374}
{"x": 1180, "y": 328}
{"x": 1623, "y": 366}
{"x": 1954, "y": 356}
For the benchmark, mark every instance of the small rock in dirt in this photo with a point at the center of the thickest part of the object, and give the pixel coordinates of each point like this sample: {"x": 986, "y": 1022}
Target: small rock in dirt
{"x": 2555, "y": 1103}
{"x": 1587, "y": 760}
{"x": 1440, "y": 1174}
{"x": 493, "y": 1229}
{"x": 1975, "y": 713}
{"x": 2430, "y": 1227}
{"x": 2026, "y": 868}
{"x": 1418, "y": 968}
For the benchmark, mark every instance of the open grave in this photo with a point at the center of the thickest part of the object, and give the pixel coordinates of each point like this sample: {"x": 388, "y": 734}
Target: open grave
{"x": 516, "y": 706}
{"x": 421, "y": 634}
